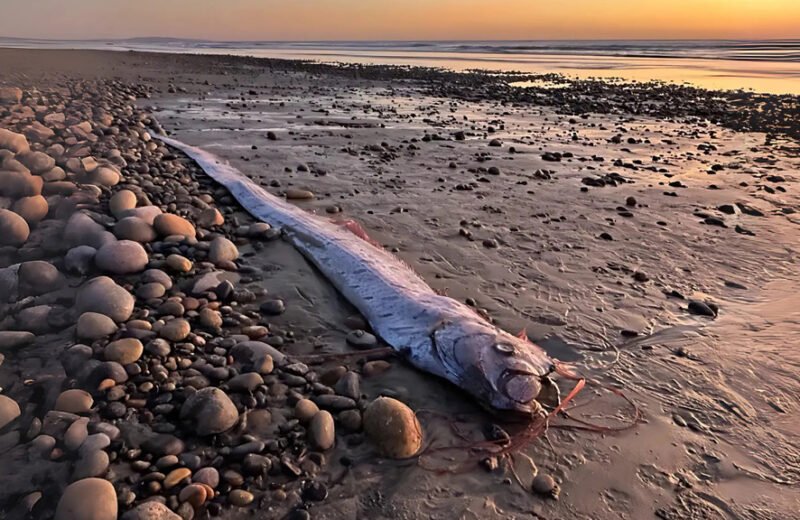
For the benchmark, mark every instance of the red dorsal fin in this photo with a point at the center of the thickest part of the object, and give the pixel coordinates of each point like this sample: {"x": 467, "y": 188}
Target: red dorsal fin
{"x": 358, "y": 230}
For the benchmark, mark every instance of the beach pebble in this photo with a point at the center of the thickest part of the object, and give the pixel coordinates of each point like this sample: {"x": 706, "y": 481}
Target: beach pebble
{"x": 361, "y": 339}
{"x": 146, "y": 213}
{"x": 9, "y": 410}
{"x": 79, "y": 260}
{"x": 88, "y": 499}
{"x": 240, "y": 497}
{"x": 168, "y": 224}
{"x": 176, "y": 330}
{"x": 38, "y": 277}
{"x": 13, "y": 339}
{"x": 76, "y": 434}
{"x": 104, "y": 296}
{"x": 136, "y": 229}
{"x": 273, "y": 307}
{"x": 321, "y": 432}
{"x": 150, "y": 290}
{"x": 104, "y": 176}
{"x": 222, "y": 250}
{"x": 37, "y": 162}
{"x": 210, "y": 318}
{"x": 91, "y": 463}
{"x": 121, "y": 202}
{"x": 93, "y": 325}
{"x": 32, "y": 209}
{"x": 176, "y": 476}
{"x": 210, "y": 411}
{"x": 124, "y": 351}
{"x": 305, "y": 410}
{"x": 179, "y": 263}
{"x": 9, "y": 140}
{"x": 11, "y": 95}
{"x": 74, "y": 401}
{"x": 121, "y": 257}
{"x": 14, "y": 231}
{"x": 82, "y": 230}
{"x": 393, "y": 428}
{"x": 245, "y": 382}
{"x": 298, "y": 194}
{"x": 210, "y": 217}
{"x": 208, "y": 476}
{"x": 194, "y": 494}
{"x": 151, "y": 510}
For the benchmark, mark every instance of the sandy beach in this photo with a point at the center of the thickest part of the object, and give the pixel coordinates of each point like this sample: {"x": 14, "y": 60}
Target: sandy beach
{"x": 645, "y": 234}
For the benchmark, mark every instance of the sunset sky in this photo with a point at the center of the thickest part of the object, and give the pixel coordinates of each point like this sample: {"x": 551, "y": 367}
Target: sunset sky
{"x": 401, "y": 19}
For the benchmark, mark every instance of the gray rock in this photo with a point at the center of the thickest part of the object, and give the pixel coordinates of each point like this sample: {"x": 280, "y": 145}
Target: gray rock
{"x": 11, "y": 340}
{"x": 79, "y": 260}
{"x": 121, "y": 257}
{"x": 104, "y": 296}
{"x": 93, "y": 325}
{"x": 321, "y": 432}
{"x": 210, "y": 411}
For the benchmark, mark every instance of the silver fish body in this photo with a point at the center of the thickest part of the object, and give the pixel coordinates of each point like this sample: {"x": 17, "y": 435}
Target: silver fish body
{"x": 435, "y": 333}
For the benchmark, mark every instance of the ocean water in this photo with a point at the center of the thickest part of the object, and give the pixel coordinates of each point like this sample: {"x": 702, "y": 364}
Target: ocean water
{"x": 771, "y": 66}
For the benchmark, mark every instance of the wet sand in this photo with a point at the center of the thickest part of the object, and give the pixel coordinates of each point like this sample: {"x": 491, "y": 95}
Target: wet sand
{"x": 592, "y": 231}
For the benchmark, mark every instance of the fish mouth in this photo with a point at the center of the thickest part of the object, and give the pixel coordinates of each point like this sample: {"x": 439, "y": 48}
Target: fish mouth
{"x": 520, "y": 386}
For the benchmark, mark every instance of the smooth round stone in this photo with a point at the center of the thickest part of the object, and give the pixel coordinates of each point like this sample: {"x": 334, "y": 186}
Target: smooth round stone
{"x": 305, "y": 410}
{"x": 210, "y": 217}
{"x": 13, "y": 141}
{"x": 273, "y": 307}
{"x": 76, "y": 434}
{"x": 121, "y": 202}
{"x": 393, "y": 428}
{"x": 168, "y": 224}
{"x": 92, "y": 326}
{"x": 176, "y": 330}
{"x": 240, "y": 497}
{"x": 158, "y": 276}
{"x": 210, "y": 318}
{"x": 179, "y": 263}
{"x": 210, "y": 411}
{"x": 74, "y": 401}
{"x": 321, "y": 432}
{"x": 32, "y": 209}
{"x": 176, "y": 476}
{"x": 350, "y": 420}
{"x": 245, "y": 382}
{"x": 13, "y": 339}
{"x": 37, "y": 162}
{"x": 134, "y": 228}
{"x": 208, "y": 476}
{"x": 124, "y": 351}
{"x": 79, "y": 260}
{"x": 40, "y": 277}
{"x": 104, "y": 176}
{"x": 91, "y": 464}
{"x": 81, "y": 230}
{"x": 121, "y": 257}
{"x": 88, "y": 499}
{"x": 14, "y": 231}
{"x": 16, "y": 184}
{"x": 298, "y": 194}
{"x": 146, "y": 213}
{"x": 194, "y": 494}
{"x": 373, "y": 368}
{"x": 222, "y": 250}
{"x": 151, "y": 290}
{"x": 151, "y": 510}
{"x": 104, "y": 296}
{"x": 361, "y": 339}
{"x": 9, "y": 410}
{"x": 98, "y": 441}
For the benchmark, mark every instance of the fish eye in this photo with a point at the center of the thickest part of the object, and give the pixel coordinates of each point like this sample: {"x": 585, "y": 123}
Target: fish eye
{"x": 505, "y": 348}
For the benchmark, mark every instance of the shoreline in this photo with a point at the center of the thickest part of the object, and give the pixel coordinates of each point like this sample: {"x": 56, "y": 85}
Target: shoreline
{"x": 518, "y": 232}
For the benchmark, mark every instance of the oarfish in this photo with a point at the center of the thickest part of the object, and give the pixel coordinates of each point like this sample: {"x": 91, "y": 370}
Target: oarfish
{"x": 435, "y": 333}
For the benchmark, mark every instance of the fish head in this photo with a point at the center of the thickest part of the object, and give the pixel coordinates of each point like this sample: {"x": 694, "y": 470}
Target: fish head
{"x": 503, "y": 371}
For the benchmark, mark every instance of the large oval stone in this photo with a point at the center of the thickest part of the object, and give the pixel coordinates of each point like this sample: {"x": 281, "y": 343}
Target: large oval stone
{"x": 121, "y": 257}
{"x": 88, "y": 499}
{"x": 104, "y": 296}
{"x": 210, "y": 411}
{"x": 14, "y": 231}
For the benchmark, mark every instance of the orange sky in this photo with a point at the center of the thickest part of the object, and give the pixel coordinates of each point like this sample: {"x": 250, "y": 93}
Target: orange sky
{"x": 401, "y": 19}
